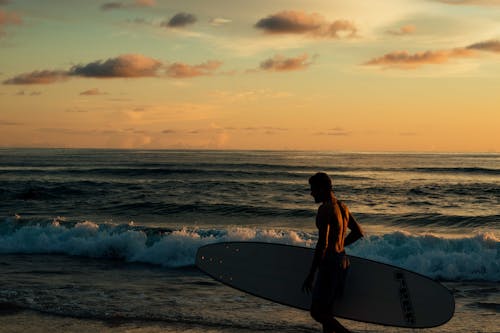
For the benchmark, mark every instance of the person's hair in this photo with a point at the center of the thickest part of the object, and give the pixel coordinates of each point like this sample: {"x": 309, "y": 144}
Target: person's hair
{"x": 321, "y": 180}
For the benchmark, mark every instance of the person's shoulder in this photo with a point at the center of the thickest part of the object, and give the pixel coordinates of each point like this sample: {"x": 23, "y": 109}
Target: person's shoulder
{"x": 343, "y": 206}
{"x": 325, "y": 208}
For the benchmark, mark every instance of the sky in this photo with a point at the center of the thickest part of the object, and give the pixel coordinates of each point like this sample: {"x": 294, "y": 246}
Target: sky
{"x": 336, "y": 75}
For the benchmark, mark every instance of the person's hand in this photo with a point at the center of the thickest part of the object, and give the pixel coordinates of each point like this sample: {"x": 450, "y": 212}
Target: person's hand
{"x": 308, "y": 283}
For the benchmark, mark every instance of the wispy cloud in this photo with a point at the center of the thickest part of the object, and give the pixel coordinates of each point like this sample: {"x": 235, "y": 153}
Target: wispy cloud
{"x": 407, "y": 60}
{"x": 38, "y": 77}
{"x": 219, "y": 21}
{"x": 298, "y": 22}
{"x": 27, "y": 93}
{"x": 182, "y": 70}
{"x": 145, "y": 3}
{"x": 404, "y": 30}
{"x": 280, "y": 63}
{"x": 471, "y": 2}
{"x": 248, "y": 95}
{"x": 112, "y": 5}
{"x": 180, "y": 20}
{"x": 9, "y": 123}
{"x": 337, "y": 131}
{"x": 93, "y": 92}
{"x": 490, "y": 45}
{"x": 269, "y": 130}
{"x": 169, "y": 131}
{"x": 8, "y": 18}
{"x": 122, "y": 5}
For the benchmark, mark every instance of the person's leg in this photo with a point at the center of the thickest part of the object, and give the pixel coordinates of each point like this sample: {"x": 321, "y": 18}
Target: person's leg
{"x": 322, "y": 314}
{"x": 332, "y": 325}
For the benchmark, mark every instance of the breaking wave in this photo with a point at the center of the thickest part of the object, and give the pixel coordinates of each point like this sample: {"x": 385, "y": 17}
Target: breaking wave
{"x": 474, "y": 258}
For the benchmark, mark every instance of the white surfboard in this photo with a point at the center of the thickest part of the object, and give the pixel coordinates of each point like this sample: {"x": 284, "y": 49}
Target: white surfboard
{"x": 374, "y": 292}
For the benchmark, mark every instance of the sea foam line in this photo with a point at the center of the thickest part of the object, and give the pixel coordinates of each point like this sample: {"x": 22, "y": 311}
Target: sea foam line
{"x": 456, "y": 259}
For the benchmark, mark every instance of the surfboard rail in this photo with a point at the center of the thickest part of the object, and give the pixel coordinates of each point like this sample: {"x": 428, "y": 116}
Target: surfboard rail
{"x": 375, "y": 292}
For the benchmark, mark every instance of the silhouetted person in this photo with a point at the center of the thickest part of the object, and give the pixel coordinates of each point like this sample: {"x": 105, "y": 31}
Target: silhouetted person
{"x": 330, "y": 261}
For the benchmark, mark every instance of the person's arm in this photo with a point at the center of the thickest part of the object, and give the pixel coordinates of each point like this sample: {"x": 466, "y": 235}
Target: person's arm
{"x": 321, "y": 245}
{"x": 356, "y": 231}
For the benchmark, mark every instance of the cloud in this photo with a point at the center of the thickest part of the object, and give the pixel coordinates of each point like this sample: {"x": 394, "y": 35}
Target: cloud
{"x": 9, "y": 123}
{"x": 471, "y": 2}
{"x": 181, "y": 70}
{"x": 26, "y": 93}
{"x": 123, "y": 66}
{"x": 180, "y": 20}
{"x": 122, "y": 5}
{"x": 248, "y": 95}
{"x": 128, "y": 65}
{"x": 76, "y": 110}
{"x": 281, "y": 64}
{"x": 92, "y": 92}
{"x": 337, "y": 131}
{"x": 218, "y": 21}
{"x": 145, "y": 3}
{"x": 141, "y": 21}
{"x": 406, "y": 60}
{"x": 297, "y": 22}
{"x": 113, "y": 5}
{"x": 8, "y": 18}
{"x": 404, "y": 30}
{"x": 38, "y": 77}
{"x": 490, "y": 45}
{"x": 169, "y": 131}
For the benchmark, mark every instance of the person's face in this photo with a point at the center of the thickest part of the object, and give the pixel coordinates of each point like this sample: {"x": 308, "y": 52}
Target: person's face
{"x": 318, "y": 194}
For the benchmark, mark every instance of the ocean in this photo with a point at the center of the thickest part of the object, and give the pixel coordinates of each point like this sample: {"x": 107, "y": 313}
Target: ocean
{"x": 104, "y": 240}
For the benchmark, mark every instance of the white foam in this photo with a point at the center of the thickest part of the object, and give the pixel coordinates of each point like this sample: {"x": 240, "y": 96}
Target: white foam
{"x": 468, "y": 258}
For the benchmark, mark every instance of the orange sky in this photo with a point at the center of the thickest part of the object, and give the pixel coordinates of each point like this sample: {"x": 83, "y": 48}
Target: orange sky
{"x": 400, "y": 75}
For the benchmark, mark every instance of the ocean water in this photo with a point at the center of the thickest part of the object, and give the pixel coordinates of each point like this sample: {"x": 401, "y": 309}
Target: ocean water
{"x": 104, "y": 240}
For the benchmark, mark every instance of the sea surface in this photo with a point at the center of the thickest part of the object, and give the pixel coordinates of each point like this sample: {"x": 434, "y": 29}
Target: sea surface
{"x": 104, "y": 240}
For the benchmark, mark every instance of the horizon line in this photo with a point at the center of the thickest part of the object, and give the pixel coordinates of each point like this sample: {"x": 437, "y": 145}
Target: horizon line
{"x": 429, "y": 152}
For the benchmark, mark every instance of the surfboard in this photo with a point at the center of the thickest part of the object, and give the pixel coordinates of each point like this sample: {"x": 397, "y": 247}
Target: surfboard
{"x": 374, "y": 292}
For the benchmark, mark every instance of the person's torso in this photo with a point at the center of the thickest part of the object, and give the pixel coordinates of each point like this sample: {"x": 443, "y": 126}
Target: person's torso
{"x": 338, "y": 219}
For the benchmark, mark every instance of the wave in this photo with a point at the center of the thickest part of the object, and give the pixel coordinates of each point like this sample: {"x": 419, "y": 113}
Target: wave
{"x": 474, "y": 258}
{"x": 236, "y": 171}
{"x": 434, "y": 220}
{"x": 469, "y": 170}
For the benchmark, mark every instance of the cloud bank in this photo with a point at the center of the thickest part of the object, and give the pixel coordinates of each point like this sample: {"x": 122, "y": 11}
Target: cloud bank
{"x": 123, "y": 66}
{"x": 298, "y": 22}
{"x": 407, "y": 60}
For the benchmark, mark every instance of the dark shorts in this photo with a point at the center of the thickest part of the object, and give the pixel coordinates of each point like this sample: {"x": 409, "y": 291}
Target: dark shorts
{"x": 329, "y": 284}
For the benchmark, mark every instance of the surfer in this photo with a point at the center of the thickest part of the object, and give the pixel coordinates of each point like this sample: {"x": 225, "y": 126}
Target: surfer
{"x": 330, "y": 261}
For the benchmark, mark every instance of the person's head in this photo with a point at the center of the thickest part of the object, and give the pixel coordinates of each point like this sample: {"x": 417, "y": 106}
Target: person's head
{"x": 321, "y": 186}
